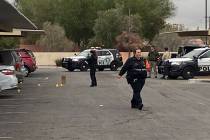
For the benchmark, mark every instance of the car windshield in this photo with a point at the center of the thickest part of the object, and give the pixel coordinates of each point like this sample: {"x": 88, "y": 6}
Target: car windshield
{"x": 193, "y": 53}
{"x": 84, "y": 53}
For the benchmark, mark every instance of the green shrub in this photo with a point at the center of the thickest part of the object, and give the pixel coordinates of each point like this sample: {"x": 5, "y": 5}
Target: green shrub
{"x": 58, "y": 62}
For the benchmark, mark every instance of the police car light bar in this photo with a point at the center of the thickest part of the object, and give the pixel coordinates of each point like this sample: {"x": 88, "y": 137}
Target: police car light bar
{"x": 96, "y": 48}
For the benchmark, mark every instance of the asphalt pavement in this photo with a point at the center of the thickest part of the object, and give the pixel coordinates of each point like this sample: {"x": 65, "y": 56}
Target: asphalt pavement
{"x": 44, "y": 109}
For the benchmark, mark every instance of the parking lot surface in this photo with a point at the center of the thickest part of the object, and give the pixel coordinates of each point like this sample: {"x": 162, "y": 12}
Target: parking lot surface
{"x": 43, "y": 109}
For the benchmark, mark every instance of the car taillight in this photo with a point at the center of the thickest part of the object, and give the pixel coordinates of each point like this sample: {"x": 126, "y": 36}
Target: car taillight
{"x": 7, "y": 72}
{"x": 17, "y": 66}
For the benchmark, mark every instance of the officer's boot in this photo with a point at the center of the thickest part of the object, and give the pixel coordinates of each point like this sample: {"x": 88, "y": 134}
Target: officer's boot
{"x": 141, "y": 107}
{"x": 133, "y": 104}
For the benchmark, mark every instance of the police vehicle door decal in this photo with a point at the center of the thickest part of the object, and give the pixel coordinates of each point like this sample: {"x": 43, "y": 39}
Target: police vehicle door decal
{"x": 101, "y": 60}
{"x": 204, "y": 62}
{"x": 204, "y": 68}
{"x": 106, "y": 58}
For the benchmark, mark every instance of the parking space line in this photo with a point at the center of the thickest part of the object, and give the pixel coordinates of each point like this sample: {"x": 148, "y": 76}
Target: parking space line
{"x": 19, "y": 99}
{"x": 10, "y": 105}
{"x": 6, "y": 137}
{"x": 6, "y": 113}
{"x": 11, "y": 122}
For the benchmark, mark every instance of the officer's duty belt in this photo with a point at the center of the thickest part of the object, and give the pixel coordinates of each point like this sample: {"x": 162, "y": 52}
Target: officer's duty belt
{"x": 140, "y": 69}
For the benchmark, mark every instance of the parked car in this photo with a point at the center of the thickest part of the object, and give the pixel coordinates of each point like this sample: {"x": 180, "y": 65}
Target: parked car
{"x": 107, "y": 58}
{"x": 29, "y": 60}
{"x": 8, "y": 79}
{"x": 196, "y": 62}
{"x": 11, "y": 58}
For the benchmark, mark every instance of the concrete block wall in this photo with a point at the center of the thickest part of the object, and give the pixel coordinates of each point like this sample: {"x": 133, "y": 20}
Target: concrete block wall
{"x": 48, "y": 58}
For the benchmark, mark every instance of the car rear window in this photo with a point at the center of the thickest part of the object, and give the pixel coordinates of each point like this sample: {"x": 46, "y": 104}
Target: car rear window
{"x": 6, "y": 58}
{"x": 24, "y": 54}
{"x": 30, "y": 53}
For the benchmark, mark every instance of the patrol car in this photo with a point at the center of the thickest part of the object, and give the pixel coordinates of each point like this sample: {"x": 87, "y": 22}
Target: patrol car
{"x": 182, "y": 50}
{"x": 107, "y": 58}
{"x": 196, "y": 62}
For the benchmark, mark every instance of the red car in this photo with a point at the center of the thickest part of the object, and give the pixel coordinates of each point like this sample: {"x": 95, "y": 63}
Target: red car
{"x": 28, "y": 59}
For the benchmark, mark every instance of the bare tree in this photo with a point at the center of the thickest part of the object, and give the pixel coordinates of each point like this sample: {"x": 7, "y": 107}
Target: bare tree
{"x": 54, "y": 39}
{"x": 128, "y": 41}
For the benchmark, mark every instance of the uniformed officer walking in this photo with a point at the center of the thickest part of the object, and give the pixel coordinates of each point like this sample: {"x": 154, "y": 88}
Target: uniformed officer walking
{"x": 92, "y": 61}
{"x": 136, "y": 75}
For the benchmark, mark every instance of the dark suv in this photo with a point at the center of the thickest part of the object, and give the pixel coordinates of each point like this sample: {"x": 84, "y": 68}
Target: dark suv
{"x": 11, "y": 58}
{"x": 107, "y": 58}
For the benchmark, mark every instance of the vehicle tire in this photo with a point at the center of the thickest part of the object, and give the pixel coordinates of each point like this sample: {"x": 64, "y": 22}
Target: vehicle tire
{"x": 188, "y": 73}
{"x": 173, "y": 76}
{"x": 101, "y": 69}
{"x": 113, "y": 66}
{"x": 71, "y": 69}
{"x": 84, "y": 67}
{"x": 27, "y": 70}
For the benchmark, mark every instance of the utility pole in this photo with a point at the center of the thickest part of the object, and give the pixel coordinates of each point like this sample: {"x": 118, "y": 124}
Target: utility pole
{"x": 206, "y": 19}
{"x": 129, "y": 30}
{"x": 209, "y": 22}
{"x": 129, "y": 15}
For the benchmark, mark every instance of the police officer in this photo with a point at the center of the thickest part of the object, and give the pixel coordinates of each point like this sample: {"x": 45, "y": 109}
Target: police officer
{"x": 166, "y": 55}
{"x": 136, "y": 74}
{"x": 92, "y": 61}
{"x": 153, "y": 57}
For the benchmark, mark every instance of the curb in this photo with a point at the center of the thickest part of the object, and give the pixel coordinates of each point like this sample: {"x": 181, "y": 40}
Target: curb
{"x": 52, "y": 67}
{"x": 200, "y": 80}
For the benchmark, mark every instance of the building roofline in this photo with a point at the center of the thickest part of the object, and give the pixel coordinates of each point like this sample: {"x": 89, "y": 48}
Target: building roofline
{"x": 190, "y": 33}
{"x": 11, "y": 17}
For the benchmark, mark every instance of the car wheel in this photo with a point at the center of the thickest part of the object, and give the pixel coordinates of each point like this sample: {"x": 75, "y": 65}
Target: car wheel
{"x": 71, "y": 69}
{"x": 101, "y": 69}
{"x": 113, "y": 66}
{"x": 173, "y": 76}
{"x": 188, "y": 73}
{"x": 83, "y": 67}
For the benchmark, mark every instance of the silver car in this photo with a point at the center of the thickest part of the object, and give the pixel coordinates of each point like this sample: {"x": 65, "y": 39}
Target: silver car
{"x": 8, "y": 79}
{"x": 11, "y": 58}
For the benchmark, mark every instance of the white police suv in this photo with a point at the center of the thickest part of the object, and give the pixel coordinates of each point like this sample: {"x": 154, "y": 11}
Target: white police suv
{"x": 196, "y": 62}
{"x": 107, "y": 58}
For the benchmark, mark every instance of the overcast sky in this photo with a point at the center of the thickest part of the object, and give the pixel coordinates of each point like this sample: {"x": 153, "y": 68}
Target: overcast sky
{"x": 191, "y": 13}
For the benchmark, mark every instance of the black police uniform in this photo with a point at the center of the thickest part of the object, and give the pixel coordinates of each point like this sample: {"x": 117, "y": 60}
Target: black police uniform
{"x": 92, "y": 61}
{"x": 136, "y": 74}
